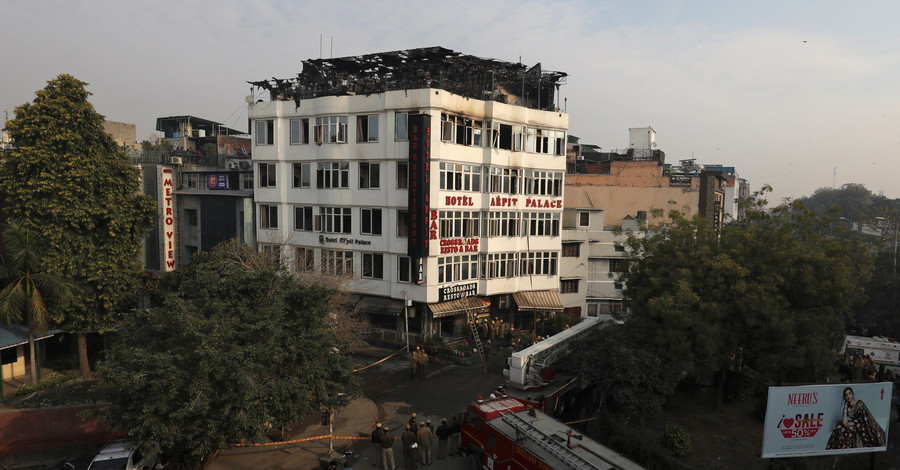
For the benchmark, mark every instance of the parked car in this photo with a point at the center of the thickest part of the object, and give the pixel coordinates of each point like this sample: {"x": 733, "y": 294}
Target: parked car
{"x": 116, "y": 455}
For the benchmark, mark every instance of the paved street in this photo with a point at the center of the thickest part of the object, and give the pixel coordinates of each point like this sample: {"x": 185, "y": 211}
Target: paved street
{"x": 390, "y": 397}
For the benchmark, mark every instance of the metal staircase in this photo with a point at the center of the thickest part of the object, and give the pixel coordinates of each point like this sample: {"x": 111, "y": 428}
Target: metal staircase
{"x": 548, "y": 443}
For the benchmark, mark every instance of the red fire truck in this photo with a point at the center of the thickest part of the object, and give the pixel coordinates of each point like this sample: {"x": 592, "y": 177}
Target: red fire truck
{"x": 508, "y": 433}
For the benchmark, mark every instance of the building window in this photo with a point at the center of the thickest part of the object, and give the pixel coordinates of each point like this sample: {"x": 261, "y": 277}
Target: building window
{"x": 459, "y": 224}
{"x": 541, "y": 223}
{"x": 272, "y": 251}
{"x": 302, "y": 175}
{"x": 331, "y": 130}
{"x": 401, "y": 126}
{"x": 369, "y": 175}
{"x": 299, "y": 131}
{"x": 303, "y": 218}
{"x": 568, "y": 286}
{"x": 619, "y": 247}
{"x": 337, "y": 263}
{"x": 616, "y": 265}
{"x": 502, "y": 224}
{"x": 367, "y": 128}
{"x": 543, "y": 183}
{"x": 541, "y": 262}
{"x": 190, "y": 180}
{"x": 267, "y": 175}
{"x": 265, "y": 132}
{"x": 268, "y": 216}
{"x": 498, "y": 265}
{"x": 584, "y": 219}
{"x": 504, "y": 180}
{"x": 304, "y": 260}
{"x": 371, "y": 222}
{"x": 247, "y": 180}
{"x": 373, "y": 265}
{"x": 403, "y": 224}
{"x": 592, "y": 309}
{"x": 457, "y": 268}
{"x": 459, "y": 177}
{"x": 571, "y": 250}
{"x": 402, "y": 175}
{"x": 404, "y": 269}
{"x": 336, "y": 219}
{"x": 611, "y": 307}
{"x": 333, "y": 175}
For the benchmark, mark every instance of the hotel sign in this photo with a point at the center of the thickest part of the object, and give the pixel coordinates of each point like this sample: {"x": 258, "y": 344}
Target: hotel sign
{"x": 419, "y": 184}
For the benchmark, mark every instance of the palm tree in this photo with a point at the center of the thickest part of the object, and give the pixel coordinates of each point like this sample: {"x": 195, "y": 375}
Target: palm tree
{"x": 29, "y": 290}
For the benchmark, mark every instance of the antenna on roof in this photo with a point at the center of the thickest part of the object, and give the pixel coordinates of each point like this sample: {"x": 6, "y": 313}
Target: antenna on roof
{"x": 320, "y": 45}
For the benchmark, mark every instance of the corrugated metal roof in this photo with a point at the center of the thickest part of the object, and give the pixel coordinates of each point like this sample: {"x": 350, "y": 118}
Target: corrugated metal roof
{"x": 539, "y": 301}
{"x": 14, "y": 335}
{"x": 456, "y": 307}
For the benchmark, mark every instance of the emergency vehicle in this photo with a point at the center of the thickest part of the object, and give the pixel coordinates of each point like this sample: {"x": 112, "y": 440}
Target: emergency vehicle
{"x": 884, "y": 351}
{"x": 508, "y": 433}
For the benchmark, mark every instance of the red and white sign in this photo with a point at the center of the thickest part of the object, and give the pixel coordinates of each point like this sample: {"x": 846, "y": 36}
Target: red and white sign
{"x": 168, "y": 219}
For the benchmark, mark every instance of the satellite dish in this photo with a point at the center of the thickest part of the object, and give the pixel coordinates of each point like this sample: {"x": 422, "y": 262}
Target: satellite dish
{"x": 152, "y": 138}
{"x": 248, "y": 98}
{"x": 653, "y": 144}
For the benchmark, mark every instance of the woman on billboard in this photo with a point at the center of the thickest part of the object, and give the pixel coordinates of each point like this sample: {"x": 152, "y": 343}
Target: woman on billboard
{"x": 858, "y": 427}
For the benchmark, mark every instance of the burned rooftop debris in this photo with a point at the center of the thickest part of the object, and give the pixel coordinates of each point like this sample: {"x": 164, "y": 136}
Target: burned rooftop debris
{"x": 433, "y": 67}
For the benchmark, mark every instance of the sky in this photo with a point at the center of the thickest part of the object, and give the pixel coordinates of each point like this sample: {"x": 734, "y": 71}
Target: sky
{"x": 797, "y": 95}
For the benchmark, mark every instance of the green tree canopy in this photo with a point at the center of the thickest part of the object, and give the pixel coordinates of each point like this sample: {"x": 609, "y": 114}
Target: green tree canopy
{"x": 239, "y": 347}
{"x": 68, "y": 179}
{"x": 774, "y": 288}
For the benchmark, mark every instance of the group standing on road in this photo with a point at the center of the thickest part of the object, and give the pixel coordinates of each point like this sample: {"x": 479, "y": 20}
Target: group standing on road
{"x": 416, "y": 440}
{"x": 418, "y": 363}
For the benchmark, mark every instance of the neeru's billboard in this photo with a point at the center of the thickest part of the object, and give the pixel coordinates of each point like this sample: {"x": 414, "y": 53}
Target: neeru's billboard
{"x": 827, "y": 419}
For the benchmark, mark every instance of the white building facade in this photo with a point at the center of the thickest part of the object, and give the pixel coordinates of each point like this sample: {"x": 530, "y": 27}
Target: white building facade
{"x": 420, "y": 194}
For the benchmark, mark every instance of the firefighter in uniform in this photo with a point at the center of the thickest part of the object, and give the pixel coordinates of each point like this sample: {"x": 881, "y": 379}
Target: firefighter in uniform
{"x": 409, "y": 452}
{"x": 376, "y": 442}
{"x": 424, "y": 438}
{"x": 387, "y": 450}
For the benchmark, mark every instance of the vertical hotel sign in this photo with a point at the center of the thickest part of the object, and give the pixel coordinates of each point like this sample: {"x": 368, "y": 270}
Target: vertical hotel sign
{"x": 168, "y": 218}
{"x": 419, "y": 184}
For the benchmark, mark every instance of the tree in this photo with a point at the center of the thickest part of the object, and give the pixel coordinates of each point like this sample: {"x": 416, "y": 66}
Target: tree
{"x": 774, "y": 287}
{"x": 30, "y": 291}
{"x": 69, "y": 180}
{"x": 634, "y": 380}
{"x": 238, "y": 348}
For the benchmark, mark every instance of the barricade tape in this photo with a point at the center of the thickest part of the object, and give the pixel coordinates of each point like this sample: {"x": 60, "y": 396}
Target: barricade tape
{"x": 305, "y": 439}
{"x": 382, "y": 360}
{"x": 580, "y": 421}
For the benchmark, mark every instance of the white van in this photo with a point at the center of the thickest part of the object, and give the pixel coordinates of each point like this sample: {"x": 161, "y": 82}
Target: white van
{"x": 116, "y": 455}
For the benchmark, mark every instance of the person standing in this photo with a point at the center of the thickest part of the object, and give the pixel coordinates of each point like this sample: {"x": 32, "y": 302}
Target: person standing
{"x": 413, "y": 362}
{"x": 455, "y": 434}
{"x": 387, "y": 450}
{"x": 423, "y": 364}
{"x": 412, "y": 424}
{"x": 443, "y": 435}
{"x": 409, "y": 449}
{"x": 376, "y": 443}
{"x": 424, "y": 438}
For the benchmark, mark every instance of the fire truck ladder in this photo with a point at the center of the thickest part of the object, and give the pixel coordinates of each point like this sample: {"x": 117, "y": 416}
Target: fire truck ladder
{"x": 548, "y": 443}
{"x": 470, "y": 316}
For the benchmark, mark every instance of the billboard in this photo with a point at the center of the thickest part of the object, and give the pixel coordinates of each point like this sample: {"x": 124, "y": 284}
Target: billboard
{"x": 419, "y": 183}
{"x": 827, "y": 419}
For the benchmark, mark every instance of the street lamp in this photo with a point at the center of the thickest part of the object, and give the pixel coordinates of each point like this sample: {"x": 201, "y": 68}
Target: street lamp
{"x": 882, "y": 220}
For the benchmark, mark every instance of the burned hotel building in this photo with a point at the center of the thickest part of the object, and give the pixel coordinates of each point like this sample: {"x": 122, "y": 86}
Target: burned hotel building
{"x": 433, "y": 180}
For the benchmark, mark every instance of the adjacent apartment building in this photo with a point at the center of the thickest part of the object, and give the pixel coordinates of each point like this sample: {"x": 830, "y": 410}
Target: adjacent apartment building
{"x": 433, "y": 179}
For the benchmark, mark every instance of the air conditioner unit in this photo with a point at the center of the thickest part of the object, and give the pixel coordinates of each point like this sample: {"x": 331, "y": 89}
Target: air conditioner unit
{"x": 177, "y": 161}
{"x": 233, "y": 165}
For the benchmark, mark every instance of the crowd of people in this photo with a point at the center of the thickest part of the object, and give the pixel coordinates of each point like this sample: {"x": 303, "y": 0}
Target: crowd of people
{"x": 417, "y": 441}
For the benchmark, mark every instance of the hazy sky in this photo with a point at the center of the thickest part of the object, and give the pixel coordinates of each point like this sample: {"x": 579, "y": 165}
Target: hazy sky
{"x": 783, "y": 91}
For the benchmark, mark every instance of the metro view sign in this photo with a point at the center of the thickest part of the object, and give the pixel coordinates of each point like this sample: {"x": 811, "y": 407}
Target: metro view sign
{"x": 168, "y": 219}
